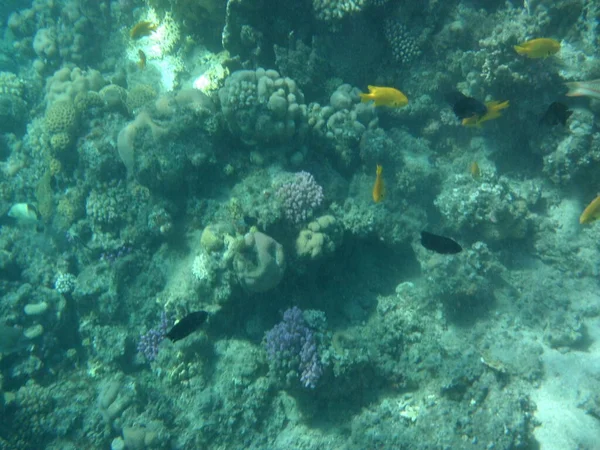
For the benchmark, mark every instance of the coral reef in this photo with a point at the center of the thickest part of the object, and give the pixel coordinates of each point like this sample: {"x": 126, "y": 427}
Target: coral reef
{"x": 292, "y": 350}
{"x": 165, "y": 171}
{"x": 260, "y": 265}
{"x": 263, "y": 107}
{"x": 494, "y": 209}
{"x": 320, "y": 238}
{"x": 300, "y": 197}
{"x": 341, "y": 124}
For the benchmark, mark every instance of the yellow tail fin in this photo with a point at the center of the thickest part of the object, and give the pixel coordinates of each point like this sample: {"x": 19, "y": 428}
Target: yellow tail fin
{"x": 520, "y": 50}
{"x": 365, "y": 97}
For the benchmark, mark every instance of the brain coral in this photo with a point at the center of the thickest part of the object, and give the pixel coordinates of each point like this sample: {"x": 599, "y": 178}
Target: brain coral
{"x": 61, "y": 117}
{"x": 139, "y": 96}
{"x": 60, "y": 142}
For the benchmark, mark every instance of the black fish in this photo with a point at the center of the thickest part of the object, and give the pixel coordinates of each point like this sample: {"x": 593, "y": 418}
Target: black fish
{"x": 465, "y": 107}
{"x": 439, "y": 244}
{"x": 557, "y": 113}
{"x": 187, "y": 325}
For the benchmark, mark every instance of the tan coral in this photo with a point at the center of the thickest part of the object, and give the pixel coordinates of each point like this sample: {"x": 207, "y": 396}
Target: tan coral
{"x": 60, "y": 142}
{"x": 321, "y": 236}
{"x": 261, "y": 263}
{"x": 139, "y": 96}
{"x": 114, "y": 97}
{"x": 84, "y": 101}
{"x": 309, "y": 244}
{"x": 210, "y": 240}
{"x": 126, "y": 137}
{"x": 61, "y": 117}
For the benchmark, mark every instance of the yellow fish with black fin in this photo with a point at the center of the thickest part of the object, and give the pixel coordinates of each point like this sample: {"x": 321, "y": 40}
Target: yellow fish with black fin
{"x": 493, "y": 112}
{"x": 538, "y": 48}
{"x": 378, "y": 187}
{"x": 385, "y": 96}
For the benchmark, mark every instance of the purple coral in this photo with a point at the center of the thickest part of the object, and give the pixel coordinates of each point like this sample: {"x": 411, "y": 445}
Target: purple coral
{"x": 149, "y": 342}
{"x": 292, "y": 348}
{"x": 300, "y": 197}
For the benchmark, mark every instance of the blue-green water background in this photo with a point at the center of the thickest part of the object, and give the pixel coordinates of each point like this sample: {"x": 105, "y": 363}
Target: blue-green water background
{"x": 161, "y": 189}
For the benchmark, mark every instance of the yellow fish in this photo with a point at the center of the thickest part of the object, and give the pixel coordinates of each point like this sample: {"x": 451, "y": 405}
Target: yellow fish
{"x": 378, "y": 187}
{"x": 142, "y": 29}
{"x": 385, "y": 96}
{"x": 584, "y": 89}
{"x": 591, "y": 212}
{"x": 538, "y": 48}
{"x": 493, "y": 112}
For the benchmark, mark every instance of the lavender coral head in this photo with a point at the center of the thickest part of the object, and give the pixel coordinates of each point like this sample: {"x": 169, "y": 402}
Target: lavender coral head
{"x": 149, "y": 342}
{"x": 292, "y": 349}
{"x": 300, "y": 197}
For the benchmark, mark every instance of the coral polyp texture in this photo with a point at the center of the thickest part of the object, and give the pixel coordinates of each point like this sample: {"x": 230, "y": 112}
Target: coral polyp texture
{"x": 260, "y": 106}
{"x": 292, "y": 350}
{"x": 362, "y": 250}
{"x": 300, "y": 197}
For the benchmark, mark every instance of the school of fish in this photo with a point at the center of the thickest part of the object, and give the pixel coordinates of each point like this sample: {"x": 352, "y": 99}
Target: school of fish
{"x": 473, "y": 113}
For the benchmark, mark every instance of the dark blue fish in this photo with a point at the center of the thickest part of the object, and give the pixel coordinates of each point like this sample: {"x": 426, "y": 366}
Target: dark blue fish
{"x": 557, "y": 113}
{"x": 439, "y": 244}
{"x": 187, "y": 325}
{"x": 465, "y": 107}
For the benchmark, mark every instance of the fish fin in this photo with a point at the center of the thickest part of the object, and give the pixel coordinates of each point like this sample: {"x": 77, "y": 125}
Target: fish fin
{"x": 470, "y": 121}
{"x": 379, "y": 169}
{"x": 365, "y": 97}
{"x": 503, "y": 105}
{"x": 574, "y": 89}
{"x": 520, "y": 49}
{"x": 496, "y": 106}
{"x": 372, "y": 88}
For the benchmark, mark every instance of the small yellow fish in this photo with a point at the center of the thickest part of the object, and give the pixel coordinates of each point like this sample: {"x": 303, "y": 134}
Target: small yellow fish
{"x": 493, "y": 112}
{"x": 475, "y": 170}
{"x": 378, "y": 187}
{"x": 584, "y": 89}
{"x": 142, "y": 29}
{"x": 385, "y": 96}
{"x": 591, "y": 212}
{"x": 538, "y": 48}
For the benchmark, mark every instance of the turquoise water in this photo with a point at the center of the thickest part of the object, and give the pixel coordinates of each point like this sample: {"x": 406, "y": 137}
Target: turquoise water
{"x": 198, "y": 250}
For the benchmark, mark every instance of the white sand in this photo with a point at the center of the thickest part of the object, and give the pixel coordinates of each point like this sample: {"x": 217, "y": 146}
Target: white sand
{"x": 570, "y": 379}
